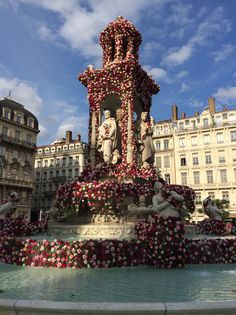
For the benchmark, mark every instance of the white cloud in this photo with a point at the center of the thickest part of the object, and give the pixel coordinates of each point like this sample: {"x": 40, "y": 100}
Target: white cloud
{"x": 23, "y": 92}
{"x": 226, "y": 94}
{"x": 77, "y": 124}
{"x": 182, "y": 74}
{"x": 195, "y": 103}
{"x": 184, "y": 87}
{"x": 46, "y": 33}
{"x": 224, "y": 53}
{"x": 157, "y": 73}
{"x": 80, "y": 24}
{"x": 214, "y": 25}
{"x": 179, "y": 56}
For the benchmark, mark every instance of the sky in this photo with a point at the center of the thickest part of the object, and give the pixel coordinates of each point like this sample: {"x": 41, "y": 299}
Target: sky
{"x": 188, "y": 47}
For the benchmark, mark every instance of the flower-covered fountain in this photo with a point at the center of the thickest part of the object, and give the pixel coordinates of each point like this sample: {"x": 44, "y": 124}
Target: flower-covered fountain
{"x": 121, "y": 174}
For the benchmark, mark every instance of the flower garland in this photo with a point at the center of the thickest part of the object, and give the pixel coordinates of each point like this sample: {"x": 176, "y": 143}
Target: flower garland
{"x": 211, "y": 227}
{"x": 165, "y": 241}
{"x": 21, "y": 227}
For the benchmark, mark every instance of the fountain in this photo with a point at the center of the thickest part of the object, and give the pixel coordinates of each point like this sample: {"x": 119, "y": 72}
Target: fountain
{"x": 120, "y": 189}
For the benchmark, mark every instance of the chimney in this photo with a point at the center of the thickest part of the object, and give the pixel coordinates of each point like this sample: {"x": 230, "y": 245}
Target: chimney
{"x": 196, "y": 114}
{"x": 211, "y": 105}
{"x": 174, "y": 112}
{"x": 68, "y": 136}
{"x": 78, "y": 137}
{"x": 183, "y": 115}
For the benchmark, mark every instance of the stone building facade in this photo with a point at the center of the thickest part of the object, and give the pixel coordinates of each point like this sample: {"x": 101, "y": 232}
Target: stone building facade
{"x": 200, "y": 151}
{"x": 55, "y": 164}
{"x": 18, "y": 135}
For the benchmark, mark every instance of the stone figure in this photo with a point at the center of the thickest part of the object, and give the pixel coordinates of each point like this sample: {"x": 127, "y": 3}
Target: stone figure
{"x": 163, "y": 205}
{"x": 107, "y": 139}
{"x": 145, "y": 139}
{"x": 211, "y": 209}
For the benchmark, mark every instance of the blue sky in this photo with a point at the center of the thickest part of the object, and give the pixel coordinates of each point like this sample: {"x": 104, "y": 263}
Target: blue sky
{"x": 188, "y": 47}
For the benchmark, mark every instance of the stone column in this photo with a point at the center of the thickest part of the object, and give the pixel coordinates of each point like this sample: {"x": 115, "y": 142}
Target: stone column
{"x": 129, "y": 157}
{"x": 93, "y": 142}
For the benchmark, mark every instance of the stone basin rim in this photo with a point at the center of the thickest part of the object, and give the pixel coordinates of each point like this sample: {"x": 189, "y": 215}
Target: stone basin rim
{"x": 12, "y": 306}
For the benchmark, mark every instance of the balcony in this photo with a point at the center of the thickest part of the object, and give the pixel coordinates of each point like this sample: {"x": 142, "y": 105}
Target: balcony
{"x": 15, "y": 182}
{"x": 49, "y": 193}
{"x": 17, "y": 141}
{"x": 59, "y": 179}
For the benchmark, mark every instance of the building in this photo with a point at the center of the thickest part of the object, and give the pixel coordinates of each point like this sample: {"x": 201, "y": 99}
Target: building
{"x": 199, "y": 151}
{"x": 55, "y": 164}
{"x": 18, "y": 134}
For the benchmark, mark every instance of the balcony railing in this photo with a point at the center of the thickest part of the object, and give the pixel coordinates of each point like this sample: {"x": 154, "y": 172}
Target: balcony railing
{"x": 17, "y": 141}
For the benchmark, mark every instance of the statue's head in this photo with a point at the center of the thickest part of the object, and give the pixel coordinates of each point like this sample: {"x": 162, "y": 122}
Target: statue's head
{"x": 144, "y": 116}
{"x": 157, "y": 186}
{"x": 107, "y": 113}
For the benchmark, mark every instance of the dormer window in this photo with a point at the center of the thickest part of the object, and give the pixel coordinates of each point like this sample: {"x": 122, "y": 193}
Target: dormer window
{"x": 7, "y": 114}
{"x": 30, "y": 122}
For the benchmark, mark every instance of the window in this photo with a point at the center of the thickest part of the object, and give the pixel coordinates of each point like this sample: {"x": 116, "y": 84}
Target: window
{"x": 195, "y": 160}
{"x": 63, "y": 173}
{"x": 36, "y": 189}
{"x": 5, "y": 131}
{"x": 15, "y": 155}
{"x": 181, "y": 142}
{"x": 225, "y": 116}
{"x": 221, "y": 156}
{"x": 51, "y": 162}
{"x": 76, "y": 172}
{"x": 223, "y": 176}
{"x": 166, "y": 144}
{"x": 208, "y": 158}
{"x": 37, "y": 176}
{"x": 184, "y": 178}
{"x": 7, "y": 114}
{"x": 50, "y": 187}
{"x": 28, "y": 139}
{"x": 69, "y": 173}
{"x": 13, "y": 171}
{"x": 166, "y": 161}
{"x": 219, "y": 137}
{"x": 234, "y": 155}
{"x": 50, "y": 174}
{"x": 225, "y": 195}
{"x": 235, "y": 174}
{"x": 158, "y": 146}
{"x": 46, "y": 163}
{"x": 70, "y": 160}
{"x": 43, "y": 188}
{"x": 158, "y": 161}
{"x": 27, "y": 157}
{"x": 17, "y": 135}
{"x": 64, "y": 161}
{"x": 209, "y": 177}
{"x": 2, "y": 151}
{"x": 183, "y": 161}
{"x": 193, "y": 122}
{"x": 211, "y": 194}
{"x": 233, "y": 135}
{"x": 206, "y": 139}
{"x": 205, "y": 123}
{"x": 194, "y": 141}
{"x": 218, "y": 121}
{"x": 57, "y": 162}
{"x": 198, "y": 197}
{"x": 186, "y": 122}
{"x": 44, "y": 175}
{"x": 39, "y": 164}
{"x": 57, "y": 173}
{"x": 19, "y": 118}
{"x": 31, "y": 122}
{"x": 181, "y": 126}
{"x": 196, "y": 178}
{"x": 167, "y": 179}
{"x": 77, "y": 160}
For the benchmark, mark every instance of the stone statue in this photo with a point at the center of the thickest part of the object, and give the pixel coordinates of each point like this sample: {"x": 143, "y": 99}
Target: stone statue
{"x": 145, "y": 139}
{"x": 163, "y": 205}
{"x": 107, "y": 139}
{"x": 211, "y": 209}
